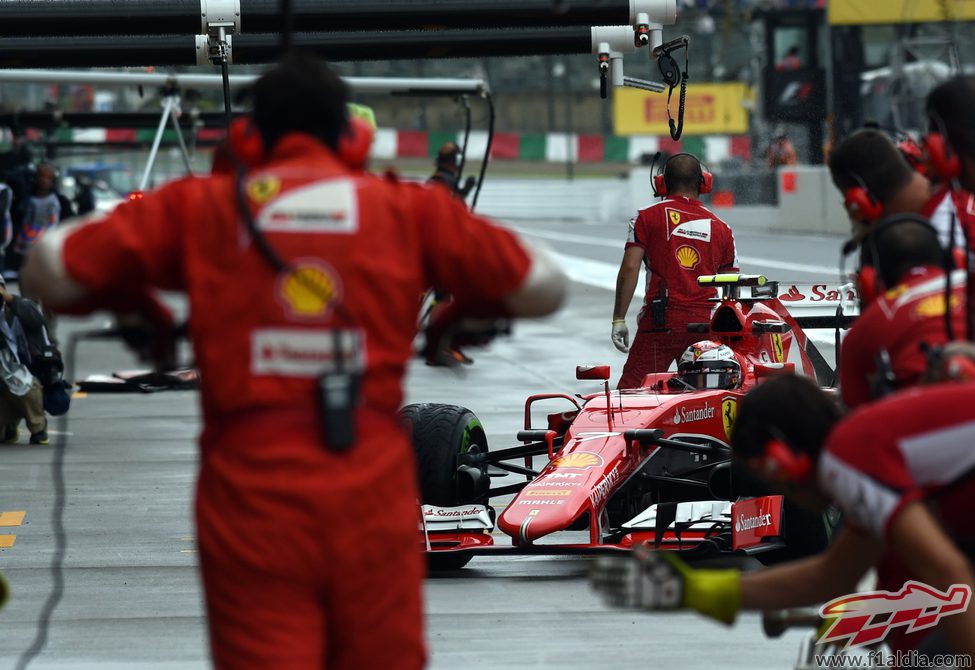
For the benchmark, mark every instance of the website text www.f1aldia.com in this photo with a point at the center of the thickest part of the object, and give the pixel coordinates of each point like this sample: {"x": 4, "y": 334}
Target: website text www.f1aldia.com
{"x": 899, "y": 659}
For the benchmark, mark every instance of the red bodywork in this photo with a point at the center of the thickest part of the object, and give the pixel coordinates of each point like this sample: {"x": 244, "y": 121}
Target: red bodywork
{"x": 595, "y": 460}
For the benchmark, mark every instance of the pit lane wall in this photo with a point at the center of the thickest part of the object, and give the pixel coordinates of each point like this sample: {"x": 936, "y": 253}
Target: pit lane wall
{"x": 808, "y": 203}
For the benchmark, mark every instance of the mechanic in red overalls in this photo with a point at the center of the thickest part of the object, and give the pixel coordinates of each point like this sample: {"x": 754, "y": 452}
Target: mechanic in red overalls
{"x": 950, "y": 149}
{"x": 877, "y": 181}
{"x": 903, "y": 286}
{"x": 678, "y": 240}
{"x": 900, "y": 469}
{"x": 307, "y": 532}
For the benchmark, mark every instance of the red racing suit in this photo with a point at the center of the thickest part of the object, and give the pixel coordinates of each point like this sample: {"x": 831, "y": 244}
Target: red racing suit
{"x": 897, "y": 322}
{"x": 308, "y": 555}
{"x": 681, "y": 240}
{"x": 914, "y": 445}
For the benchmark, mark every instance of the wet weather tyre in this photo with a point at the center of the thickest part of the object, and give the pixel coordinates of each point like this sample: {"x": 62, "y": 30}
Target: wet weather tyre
{"x": 441, "y": 432}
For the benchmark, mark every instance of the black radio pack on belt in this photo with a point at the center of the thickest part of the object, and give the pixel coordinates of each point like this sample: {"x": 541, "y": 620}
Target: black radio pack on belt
{"x": 658, "y": 311}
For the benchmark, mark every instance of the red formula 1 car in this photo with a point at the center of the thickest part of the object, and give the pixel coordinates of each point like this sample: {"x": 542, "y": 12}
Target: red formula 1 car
{"x": 640, "y": 465}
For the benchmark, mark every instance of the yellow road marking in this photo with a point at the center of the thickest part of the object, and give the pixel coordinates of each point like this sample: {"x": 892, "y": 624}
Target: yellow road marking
{"x": 79, "y": 394}
{"x": 7, "y": 541}
{"x": 9, "y": 519}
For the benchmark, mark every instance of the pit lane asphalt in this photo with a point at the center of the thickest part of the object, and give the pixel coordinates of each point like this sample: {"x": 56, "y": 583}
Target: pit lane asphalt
{"x": 132, "y": 597}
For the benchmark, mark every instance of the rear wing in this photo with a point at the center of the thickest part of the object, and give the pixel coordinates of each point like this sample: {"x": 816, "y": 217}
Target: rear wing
{"x": 811, "y": 304}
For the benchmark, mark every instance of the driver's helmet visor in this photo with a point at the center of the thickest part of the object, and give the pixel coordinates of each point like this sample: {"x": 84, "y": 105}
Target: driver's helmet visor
{"x": 726, "y": 377}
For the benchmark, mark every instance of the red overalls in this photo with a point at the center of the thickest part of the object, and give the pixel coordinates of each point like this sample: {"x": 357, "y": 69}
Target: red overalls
{"x": 914, "y": 445}
{"x": 682, "y": 240}
{"x": 898, "y": 322}
{"x": 309, "y": 556}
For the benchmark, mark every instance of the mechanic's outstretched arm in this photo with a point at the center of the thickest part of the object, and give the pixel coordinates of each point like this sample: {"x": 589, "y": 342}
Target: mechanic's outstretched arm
{"x": 488, "y": 269}
{"x": 917, "y": 539}
{"x": 543, "y": 290}
{"x": 813, "y": 580}
{"x": 626, "y": 281}
{"x": 660, "y": 580}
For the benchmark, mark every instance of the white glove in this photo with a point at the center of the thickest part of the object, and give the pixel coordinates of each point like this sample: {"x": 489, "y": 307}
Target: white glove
{"x": 621, "y": 335}
{"x": 641, "y": 580}
{"x": 651, "y": 580}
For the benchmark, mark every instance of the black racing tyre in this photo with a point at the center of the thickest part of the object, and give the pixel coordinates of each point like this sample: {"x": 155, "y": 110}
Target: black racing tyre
{"x": 440, "y": 432}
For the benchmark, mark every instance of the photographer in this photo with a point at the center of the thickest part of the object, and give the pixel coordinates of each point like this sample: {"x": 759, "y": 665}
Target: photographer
{"x": 21, "y": 395}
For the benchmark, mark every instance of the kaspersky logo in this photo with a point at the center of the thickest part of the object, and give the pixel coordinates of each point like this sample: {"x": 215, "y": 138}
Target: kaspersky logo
{"x": 867, "y": 618}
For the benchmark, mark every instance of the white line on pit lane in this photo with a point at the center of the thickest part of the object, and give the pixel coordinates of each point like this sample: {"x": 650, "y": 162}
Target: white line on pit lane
{"x": 831, "y": 271}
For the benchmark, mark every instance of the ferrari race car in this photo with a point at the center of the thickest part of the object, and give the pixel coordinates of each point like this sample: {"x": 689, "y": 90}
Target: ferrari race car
{"x": 644, "y": 465}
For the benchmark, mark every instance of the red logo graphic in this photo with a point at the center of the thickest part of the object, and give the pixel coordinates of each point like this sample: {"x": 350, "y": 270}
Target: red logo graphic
{"x": 916, "y": 605}
{"x": 792, "y": 294}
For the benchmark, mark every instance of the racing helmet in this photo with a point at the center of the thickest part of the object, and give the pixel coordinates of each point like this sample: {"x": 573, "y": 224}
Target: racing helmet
{"x": 709, "y": 365}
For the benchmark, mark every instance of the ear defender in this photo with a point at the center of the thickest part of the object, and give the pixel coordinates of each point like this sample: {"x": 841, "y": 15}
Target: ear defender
{"x": 659, "y": 186}
{"x": 867, "y": 288}
{"x": 707, "y": 181}
{"x": 944, "y": 161}
{"x": 913, "y": 154}
{"x": 355, "y": 143}
{"x": 245, "y": 141}
{"x": 782, "y": 464}
{"x": 860, "y": 203}
{"x": 705, "y": 184}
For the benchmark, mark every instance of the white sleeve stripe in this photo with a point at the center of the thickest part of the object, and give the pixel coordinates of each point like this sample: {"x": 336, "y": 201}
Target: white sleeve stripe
{"x": 867, "y": 502}
{"x": 940, "y": 457}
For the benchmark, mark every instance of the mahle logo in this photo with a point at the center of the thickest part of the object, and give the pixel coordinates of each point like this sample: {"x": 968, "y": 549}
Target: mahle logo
{"x": 867, "y": 618}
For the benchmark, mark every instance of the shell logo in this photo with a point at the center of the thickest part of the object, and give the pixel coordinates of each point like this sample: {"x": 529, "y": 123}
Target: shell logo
{"x": 688, "y": 257}
{"x": 309, "y": 290}
{"x": 583, "y": 460}
{"x": 934, "y": 306}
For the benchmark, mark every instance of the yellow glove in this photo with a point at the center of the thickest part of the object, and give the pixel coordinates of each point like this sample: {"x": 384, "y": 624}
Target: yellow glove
{"x": 659, "y": 580}
{"x": 4, "y": 591}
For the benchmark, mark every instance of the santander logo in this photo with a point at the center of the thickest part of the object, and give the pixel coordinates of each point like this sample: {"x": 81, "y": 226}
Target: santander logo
{"x": 752, "y": 522}
{"x": 792, "y": 295}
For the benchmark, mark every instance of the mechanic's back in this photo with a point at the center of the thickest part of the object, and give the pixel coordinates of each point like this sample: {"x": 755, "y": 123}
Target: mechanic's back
{"x": 902, "y": 289}
{"x": 677, "y": 240}
{"x": 296, "y": 529}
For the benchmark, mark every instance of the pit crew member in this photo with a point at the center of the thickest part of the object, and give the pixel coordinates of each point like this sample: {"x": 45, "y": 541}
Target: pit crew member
{"x": 950, "y": 143}
{"x": 446, "y": 168}
{"x": 877, "y": 181}
{"x": 307, "y": 481}
{"x": 903, "y": 286}
{"x": 901, "y": 471}
{"x": 677, "y": 240}
{"x": 950, "y": 149}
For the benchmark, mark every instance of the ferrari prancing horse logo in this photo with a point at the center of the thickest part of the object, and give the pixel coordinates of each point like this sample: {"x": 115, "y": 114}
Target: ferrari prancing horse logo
{"x": 777, "y": 349}
{"x": 263, "y": 188}
{"x": 729, "y": 412}
{"x": 674, "y": 217}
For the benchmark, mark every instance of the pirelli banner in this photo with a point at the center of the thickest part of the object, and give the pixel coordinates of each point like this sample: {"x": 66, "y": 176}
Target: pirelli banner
{"x": 860, "y": 12}
{"x": 711, "y": 109}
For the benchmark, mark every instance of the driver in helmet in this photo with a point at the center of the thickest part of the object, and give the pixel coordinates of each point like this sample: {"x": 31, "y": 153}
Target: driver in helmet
{"x": 708, "y": 365}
